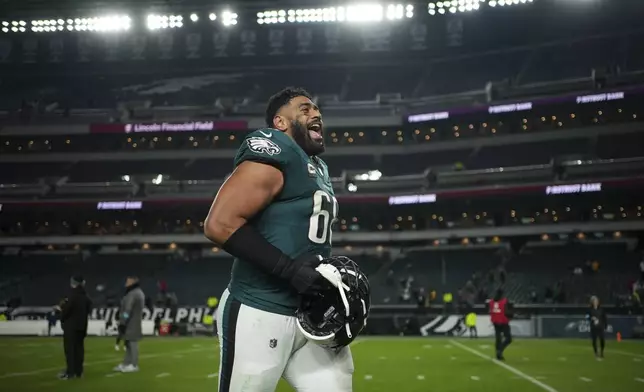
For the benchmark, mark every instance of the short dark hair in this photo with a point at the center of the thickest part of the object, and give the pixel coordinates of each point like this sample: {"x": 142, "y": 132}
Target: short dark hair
{"x": 282, "y": 98}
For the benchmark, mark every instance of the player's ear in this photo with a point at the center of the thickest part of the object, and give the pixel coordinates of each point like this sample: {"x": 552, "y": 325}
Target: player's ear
{"x": 280, "y": 123}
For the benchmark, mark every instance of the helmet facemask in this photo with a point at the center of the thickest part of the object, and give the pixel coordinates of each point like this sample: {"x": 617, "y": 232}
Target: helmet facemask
{"x": 336, "y": 316}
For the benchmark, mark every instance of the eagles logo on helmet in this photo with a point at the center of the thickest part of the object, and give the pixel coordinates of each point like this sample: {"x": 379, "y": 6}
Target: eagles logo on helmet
{"x": 335, "y": 317}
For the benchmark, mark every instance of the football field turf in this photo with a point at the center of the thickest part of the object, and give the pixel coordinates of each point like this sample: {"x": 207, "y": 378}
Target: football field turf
{"x": 382, "y": 364}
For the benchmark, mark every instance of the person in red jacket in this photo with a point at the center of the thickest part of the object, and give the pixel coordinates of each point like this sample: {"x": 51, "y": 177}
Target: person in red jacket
{"x": 499, "y": 310}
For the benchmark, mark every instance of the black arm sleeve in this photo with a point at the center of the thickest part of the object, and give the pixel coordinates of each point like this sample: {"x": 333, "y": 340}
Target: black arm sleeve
{"x": 249, "y": 245}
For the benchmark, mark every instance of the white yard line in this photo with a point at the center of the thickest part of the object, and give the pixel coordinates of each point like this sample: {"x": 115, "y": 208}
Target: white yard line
{"x": 506, "y": 367}
{"x": 624, "y": 353}
{"x": 585, "y": 379}
{"x": 161, "y": 375}
{"x": 213, "y": 375}
{"x": 53, "y": 369}
{"x": 639, "y": 379}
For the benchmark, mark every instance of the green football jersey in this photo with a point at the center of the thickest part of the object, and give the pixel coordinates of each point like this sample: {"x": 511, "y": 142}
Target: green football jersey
{"x": 298, "y": 220}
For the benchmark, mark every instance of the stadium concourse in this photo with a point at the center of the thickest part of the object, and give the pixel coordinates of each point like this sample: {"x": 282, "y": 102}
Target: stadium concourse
{"x": 469, "y": 148}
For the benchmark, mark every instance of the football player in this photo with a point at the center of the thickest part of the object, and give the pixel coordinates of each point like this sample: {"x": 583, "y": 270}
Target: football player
{"x": 274, "y": 215}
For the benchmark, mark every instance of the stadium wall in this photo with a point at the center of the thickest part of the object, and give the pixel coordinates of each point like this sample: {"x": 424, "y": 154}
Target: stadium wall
{"x": 40, "y": 328}
{"x": 31, "y": 321}
{"x": 578, "y": 326}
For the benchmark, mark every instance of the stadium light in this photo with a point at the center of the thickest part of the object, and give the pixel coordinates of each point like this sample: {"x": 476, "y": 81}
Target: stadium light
{"x": 212, "y": 16}
{"x": 454, "y": 6}
{"x": 156, "y": 22}
{"x": 351, "y": 13}
{"x": 16, "y": 26}
{"x": 268, "y": 17}
{"x": 501, "y": 3}
{"x": 194, "y": 17}
{"x": 371, "y": 175}
{"x": 229, "y": 18}
{"x": 108, "y": 23}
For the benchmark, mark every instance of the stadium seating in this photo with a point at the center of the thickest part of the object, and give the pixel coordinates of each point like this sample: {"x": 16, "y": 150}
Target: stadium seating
{"x": 523, "y": 65}
{"x": 544, "y": 265}
{"x": 43, "y": 277}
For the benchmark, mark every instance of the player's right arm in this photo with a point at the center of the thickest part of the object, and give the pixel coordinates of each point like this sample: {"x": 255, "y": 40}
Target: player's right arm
{"x": 250, "y": 188}
{"x": 257, "y": 179}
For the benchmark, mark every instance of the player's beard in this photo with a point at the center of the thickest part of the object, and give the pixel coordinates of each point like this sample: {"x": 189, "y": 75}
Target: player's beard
{"x": 303, "y": 139}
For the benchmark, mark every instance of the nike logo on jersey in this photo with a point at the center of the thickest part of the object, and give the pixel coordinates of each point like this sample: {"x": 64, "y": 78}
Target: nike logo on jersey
{"x": 268, "y": 135}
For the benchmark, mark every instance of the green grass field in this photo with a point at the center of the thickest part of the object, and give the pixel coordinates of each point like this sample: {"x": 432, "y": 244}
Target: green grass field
{"x": 382, "y": 364}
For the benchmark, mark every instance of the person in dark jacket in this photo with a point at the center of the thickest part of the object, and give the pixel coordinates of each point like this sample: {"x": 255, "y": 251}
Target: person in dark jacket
{"x": 598, "y": 324}
{"x": 74, "y": 313}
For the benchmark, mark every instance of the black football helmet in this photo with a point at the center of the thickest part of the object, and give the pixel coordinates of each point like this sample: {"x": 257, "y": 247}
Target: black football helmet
{"x": 334, "y": 317}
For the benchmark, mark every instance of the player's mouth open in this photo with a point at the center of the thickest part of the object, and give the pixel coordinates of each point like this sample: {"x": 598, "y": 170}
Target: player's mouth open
{"x": 315, "y": 132}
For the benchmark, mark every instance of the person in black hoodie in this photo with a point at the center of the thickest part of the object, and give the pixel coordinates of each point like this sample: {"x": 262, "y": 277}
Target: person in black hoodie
{"x": 74, "y": 313}
{"x": 598, "y": 324}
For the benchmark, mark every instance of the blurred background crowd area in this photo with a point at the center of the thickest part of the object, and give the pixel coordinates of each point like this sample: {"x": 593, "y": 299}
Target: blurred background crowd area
{"x": 470, "y": 148}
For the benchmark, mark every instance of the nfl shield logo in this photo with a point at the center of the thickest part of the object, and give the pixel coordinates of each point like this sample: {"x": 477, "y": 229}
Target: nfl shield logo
{"x": 272, "y": 343}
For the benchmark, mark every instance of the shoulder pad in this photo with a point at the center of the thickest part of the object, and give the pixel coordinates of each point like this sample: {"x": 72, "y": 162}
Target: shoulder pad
{"x": 268, "y": 146}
